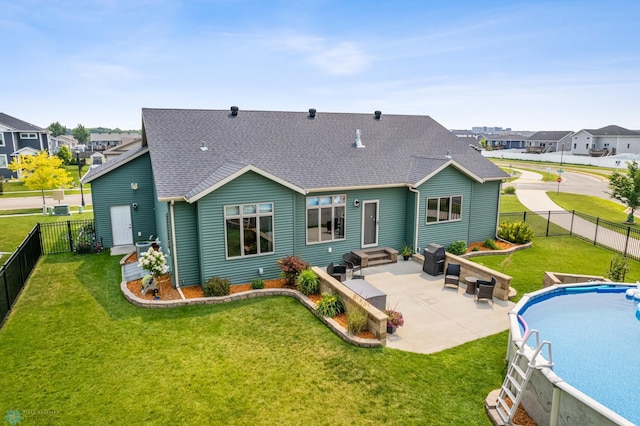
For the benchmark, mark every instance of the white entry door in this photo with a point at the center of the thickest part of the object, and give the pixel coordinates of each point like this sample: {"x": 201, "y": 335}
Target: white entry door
{"x": 121, "y": 225}
{"x": 370, "y": 223}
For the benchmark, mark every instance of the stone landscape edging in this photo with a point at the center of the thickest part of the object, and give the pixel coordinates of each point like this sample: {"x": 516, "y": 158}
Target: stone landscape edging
{"x": 494, "y": 252}
{"x": 306, "y": 302}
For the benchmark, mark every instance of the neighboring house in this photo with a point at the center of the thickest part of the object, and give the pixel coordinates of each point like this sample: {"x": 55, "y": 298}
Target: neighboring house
{"x": 229, "y": 193}
{"x": 504, "y": 141}
{"x": 17, "y": 138}
{"x": 104, "y": 141}
{"x": 62, "y": 140}
{"x": 121, "y": 149}
{"x": 549, "y": 141}
{"x": 609, "y": 140}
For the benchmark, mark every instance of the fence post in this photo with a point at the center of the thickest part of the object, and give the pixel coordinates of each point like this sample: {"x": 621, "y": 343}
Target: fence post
{"x": 595, "y": 237}
{"x": 626, "y": 243}
{"x": 6, "y": 291}
{"x": 573, "y": 215}
{"x": 70, "y": 236}
{"x": 524, "y": 216}
{"x": 548, "y": 220}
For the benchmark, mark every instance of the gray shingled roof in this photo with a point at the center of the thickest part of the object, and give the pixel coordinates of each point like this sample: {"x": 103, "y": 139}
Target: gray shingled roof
{"x": 17, "y": 124}
{"x": 612, "y": 130}
{"x": 307, "y": 153}
{"x": 551, "y": 136}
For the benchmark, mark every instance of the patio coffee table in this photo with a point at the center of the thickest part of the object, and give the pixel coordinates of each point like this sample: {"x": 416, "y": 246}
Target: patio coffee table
{"x": 471, "y": 284}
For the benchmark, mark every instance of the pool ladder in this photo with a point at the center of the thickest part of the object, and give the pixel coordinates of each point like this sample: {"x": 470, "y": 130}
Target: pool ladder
{"x": 516, "y": 380}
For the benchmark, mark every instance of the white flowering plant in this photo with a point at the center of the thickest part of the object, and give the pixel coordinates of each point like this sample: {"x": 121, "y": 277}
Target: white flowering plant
{"x": 154, "y": 262}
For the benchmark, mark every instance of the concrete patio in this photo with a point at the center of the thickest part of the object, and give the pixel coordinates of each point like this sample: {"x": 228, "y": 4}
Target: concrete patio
{"x": 436, "y": 318}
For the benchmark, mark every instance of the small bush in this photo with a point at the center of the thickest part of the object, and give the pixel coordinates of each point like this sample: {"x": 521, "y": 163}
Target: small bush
{"x": 307, "y": 282}
{"x": 475, "y": 248}
{"x": 490, "y": 244}
{"x": 257, "y": 284}
{"x": 618, "y": 268}
{"x": 291, "y": 267}
{"x": 356, "y": 321}
{"x": 330, "y": 305}
{"x": 216, "y": 286}
{"x": 515, "y": 232}
{"x": 510, "y": 190}
{"x": 458, "y": 247}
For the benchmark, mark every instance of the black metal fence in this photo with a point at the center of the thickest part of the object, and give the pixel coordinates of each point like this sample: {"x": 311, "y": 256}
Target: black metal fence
{"x": 15, "y": 272}
{"x": 622, "y": 238}
{"x": 76, "y": 236}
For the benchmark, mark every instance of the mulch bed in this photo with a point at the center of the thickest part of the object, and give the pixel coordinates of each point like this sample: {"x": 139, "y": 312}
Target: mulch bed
{"x": 522, "y": 417}
{"x": 165, "y": 289}
{"x": 501, "y": 244}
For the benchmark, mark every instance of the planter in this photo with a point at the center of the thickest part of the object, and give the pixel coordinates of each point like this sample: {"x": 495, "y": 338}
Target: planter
{"x": 391, "y": 329}
{"x": 406, "y": 257}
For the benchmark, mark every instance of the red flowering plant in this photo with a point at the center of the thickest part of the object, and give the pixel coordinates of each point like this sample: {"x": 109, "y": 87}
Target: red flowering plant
{"x": 394, "y": 318}
{"x": 291, "y": 267}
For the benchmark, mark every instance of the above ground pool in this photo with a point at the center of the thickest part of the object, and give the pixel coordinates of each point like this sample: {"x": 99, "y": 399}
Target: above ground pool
{"x": 595, "y": 337}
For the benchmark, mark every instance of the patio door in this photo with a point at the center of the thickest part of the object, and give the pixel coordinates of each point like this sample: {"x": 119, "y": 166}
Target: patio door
{"x": 121, "y": 225}
{"x": 370, "y": 223}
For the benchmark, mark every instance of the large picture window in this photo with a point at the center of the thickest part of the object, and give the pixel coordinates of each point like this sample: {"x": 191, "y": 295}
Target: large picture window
{"x": 444, "y": 209}
{"x": 249, "y": 229}
{"x": 326, "y": 218}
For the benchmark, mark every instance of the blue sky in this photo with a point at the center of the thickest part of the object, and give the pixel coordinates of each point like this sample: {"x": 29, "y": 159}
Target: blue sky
{"x": 537, "y": 65}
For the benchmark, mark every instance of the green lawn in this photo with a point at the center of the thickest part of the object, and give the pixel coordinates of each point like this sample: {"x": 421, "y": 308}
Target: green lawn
{"x": 75, "y": 352}
{"x": 594, "y": 170}
{"x": 594, "y": 206}
{"x": 16, "y": 228}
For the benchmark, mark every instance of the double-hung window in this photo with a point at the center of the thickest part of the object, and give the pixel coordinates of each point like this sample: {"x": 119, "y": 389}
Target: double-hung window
{"x": 444, "y": 209}
{"x": 326, "y": 218}
{"x": 248, "y": 229}
{"x": 3, "y": 161}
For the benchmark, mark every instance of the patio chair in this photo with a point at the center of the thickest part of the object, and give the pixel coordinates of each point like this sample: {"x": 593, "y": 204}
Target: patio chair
{"x": 452, "y": 275}
{"x": 339, "y": 272}
{"x": 148, "y": 283}
{"x": 352, "y": 261}
{"x": 484, "y": 290}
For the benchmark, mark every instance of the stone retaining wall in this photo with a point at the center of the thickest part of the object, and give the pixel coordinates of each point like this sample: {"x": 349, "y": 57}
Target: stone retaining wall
{"x": 551, "y": 278}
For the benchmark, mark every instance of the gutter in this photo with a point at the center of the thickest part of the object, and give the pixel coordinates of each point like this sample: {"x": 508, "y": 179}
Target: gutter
{"x": 415, "y": 225}
{"x": 174, "y": 253}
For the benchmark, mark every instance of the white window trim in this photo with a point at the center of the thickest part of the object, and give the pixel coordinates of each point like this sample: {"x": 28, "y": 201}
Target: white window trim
{"x": 375, "y": 243}
{"x": 426, "y": 212}
{"x": 6, "y": 161}
{"x": 28, "y": 135}
{"x": 257, "y": 215}
{"x": 2, "y": 139}
{"x": 318, "y": 207}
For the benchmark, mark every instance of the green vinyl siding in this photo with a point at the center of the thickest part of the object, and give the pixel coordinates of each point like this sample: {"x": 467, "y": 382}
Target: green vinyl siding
{"x": 484, "y": 213}
{"x": 114, "y": 189}
{"x": 246, "y": 189}
{"x": 187, "y": 248}
{"x": 392, "y": 206}
{"x": 449, "y": 182}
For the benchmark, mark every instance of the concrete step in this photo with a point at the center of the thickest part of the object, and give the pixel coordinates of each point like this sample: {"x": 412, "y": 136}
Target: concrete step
{"x": 379, "y": 262}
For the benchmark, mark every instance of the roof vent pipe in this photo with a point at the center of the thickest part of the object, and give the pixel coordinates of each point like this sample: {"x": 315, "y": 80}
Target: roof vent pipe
{"x": 312, "y": 113}
{"x": 203, "y": 147}
{"x": 448, "y": 155}
{"x": 377, "y": 114}
{"x": 234, "y": 110}
{"x": 358, "y": 140}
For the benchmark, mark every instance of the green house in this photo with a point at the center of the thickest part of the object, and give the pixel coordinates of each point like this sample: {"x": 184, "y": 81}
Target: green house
{"x": 228, "y": 193}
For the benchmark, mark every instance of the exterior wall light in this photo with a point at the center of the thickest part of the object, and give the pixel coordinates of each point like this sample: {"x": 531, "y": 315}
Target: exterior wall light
{"x": 134, "y": 185}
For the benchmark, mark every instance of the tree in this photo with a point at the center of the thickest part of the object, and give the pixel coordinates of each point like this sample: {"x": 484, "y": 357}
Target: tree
{"x": 81, "y": 134}
{"x": 626, "y": 188}
{"x": 57, "y": 129}
{"x": 41, "y": 172}
{"x": 65, "y": 154}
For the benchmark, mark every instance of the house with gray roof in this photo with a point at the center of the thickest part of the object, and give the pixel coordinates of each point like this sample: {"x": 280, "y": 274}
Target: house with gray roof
{"x": 17, "y": 137}
{"x": 228, "y": 192}
{"x": 606, "y": 140}
{"x": 549, "y": 141}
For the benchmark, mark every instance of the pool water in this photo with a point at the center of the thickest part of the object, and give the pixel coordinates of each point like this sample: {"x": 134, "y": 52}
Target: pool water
{"x": 595, "y": 340}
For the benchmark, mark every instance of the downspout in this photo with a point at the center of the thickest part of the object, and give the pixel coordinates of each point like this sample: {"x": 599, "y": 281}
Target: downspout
{"x": 174, "y": 253}
{"x": 415, "y": 225}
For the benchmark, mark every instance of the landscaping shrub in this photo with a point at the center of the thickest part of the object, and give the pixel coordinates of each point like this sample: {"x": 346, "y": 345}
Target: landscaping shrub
{"x": 356, "y": 321}
{"x": 475, "y": 248}
{"x": 257, "y": 284}
{"x": 216, "y": 286}
{"x": 515, "y": 232}
{"x": 291, "y": 267}
{"x": 458, "y": 247}
{"x": 307, "y": 282}
{"x": 490, "y": 244}
{"x": 618, "y": 268}
{"x": 330, "y": 305}
{"x": 510, "y": 190}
